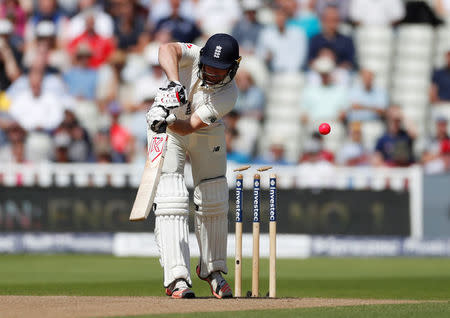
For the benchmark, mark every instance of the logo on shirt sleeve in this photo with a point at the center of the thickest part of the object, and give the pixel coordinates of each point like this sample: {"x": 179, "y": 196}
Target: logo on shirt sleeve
{"x": 188, "y": 45}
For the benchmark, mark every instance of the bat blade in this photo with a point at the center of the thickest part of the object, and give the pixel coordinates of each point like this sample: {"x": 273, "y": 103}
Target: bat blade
{"x": 150, "y": 178}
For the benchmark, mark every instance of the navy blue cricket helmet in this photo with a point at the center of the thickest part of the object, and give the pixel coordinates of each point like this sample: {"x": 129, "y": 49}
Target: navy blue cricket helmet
{"x": 220, "y": 51}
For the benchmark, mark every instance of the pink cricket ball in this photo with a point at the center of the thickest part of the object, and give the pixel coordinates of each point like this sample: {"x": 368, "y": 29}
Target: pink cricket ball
{"x": 324, "y": 129}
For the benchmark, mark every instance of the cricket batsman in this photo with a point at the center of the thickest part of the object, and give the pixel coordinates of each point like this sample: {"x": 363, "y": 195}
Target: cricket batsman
{"x": 200, "y": 92}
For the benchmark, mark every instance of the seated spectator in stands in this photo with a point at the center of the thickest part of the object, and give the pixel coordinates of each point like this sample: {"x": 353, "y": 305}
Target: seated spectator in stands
{"x": 250, "y": 102}
{"x": 82, "y": 80}
{"x": 52, "y": 82}
{"x": 79, "y": 148}
{"x": 112, "y": 88}
{"x": 103, "y": 23}
{"x": 340, "y": 76}
{"x": 12, "y": 10}
{"x": 46, "y": 10}
{"x": 129, "y": 27}
{"x": 231, "y": 135}
{"x": 395, "y": 147}
{"x": 283, "y": 47}
{"x": 61, "y": 142}
{"x": 330, "y": 37}
{"x": 303, "y": 17}
{"x": 122, "y": 142}
{"x": 35, "y": 110}
{"x": 9, "y": 63}
{"x": 247, "y": 30}
{"x": 274, "y": 156}
{"x": 367, "y": 101}
{"x": 432, "y": 156}
{"x": 13, "y": 151}
{"x": 182, "y": 29}
{"x": 44, "y": 43}
{"x": 380, "y": 12}
{"x": 326, "y": 101}
{"x": 313, "y": 150}
{"x": 316, "y": 168}
{"x": 216, "y": 16}
{"x": 343, "y": 7}
{"x": 440, "y": 87}
{"x": 353, "y": 152}
{"x": 101, "y": 47}
{"x": 13, "y": 41}
{"x": 161, "y": 8}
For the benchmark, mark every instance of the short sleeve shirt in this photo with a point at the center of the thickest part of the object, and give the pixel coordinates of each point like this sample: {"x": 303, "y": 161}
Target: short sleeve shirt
{"x": 210, "y": 104}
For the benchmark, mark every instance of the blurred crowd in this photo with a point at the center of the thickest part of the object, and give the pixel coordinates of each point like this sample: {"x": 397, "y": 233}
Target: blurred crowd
{"x": 77, "y": 76}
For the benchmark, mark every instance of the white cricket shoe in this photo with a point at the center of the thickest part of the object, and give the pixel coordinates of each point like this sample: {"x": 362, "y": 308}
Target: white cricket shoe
{"x": 179, "y": 289}
{"x": 219, "y": 286}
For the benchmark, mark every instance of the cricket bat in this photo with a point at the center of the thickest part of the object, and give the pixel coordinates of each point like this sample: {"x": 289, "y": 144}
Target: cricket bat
{"x": 150, "y": 178}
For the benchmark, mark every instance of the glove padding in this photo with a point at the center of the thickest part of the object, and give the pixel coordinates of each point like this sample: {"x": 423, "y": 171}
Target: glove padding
{"x": 172, "y": 96}
{"x": 158, "y": 118}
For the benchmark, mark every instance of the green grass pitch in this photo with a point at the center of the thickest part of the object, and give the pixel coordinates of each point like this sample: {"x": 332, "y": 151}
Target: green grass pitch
{"x": 388, "y": 278}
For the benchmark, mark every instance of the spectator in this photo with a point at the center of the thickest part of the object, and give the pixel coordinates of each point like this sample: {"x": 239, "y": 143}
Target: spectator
{"x": 51, "y": 81}
{"x": 14, "y": 150}
{"x": 343, "y": 7}
{"x": 305, "y": 18}
{"x": 216, "y": 16}
{"x": 330, "y": 37}
{"x": 182, "y": 29}
{"x": 112, "y": 87}
{"x": 122, "y": 141}
{"x": 247, "y": 30}
{"x": 327, "y": 100}
{"x": 129, "y": 27}
{"x": 11, "y": 10}
{"x": 61, "y": 141}
{"x": 274, "y": 156}
{"x": 283, "y": 48}
{"x": 395, "y": 147}
{"x": 440, "y": 87}
{"x": 367, "y": 101}
{"x": 161, "y": 9}
{"x": 314, "y": 151}
{"x": 45, "y": 42}
{"x": 231, "y": 135}
{"x": 82, "y": 80}
{"x": 46, "y": 10}
{"x": 382, "y": 12}
{"x": 79, "y": 146}
{"x": 35, "y": 110}
{"x": 340, "y": 76}
{"x": 9, "y": 68}
{"x": 433, "y": 149}
{"x": 103, "y": 23}
{"x": 353, "y": 152}
{"x": 316, "y": 169}
{"x": 250, "y": 102}
{"x": 101, "y": 47}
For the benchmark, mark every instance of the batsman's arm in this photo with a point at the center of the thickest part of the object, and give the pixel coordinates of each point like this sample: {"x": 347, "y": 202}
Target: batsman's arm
{"x": 187, "y": 126}
{"x": 169, "y": 55}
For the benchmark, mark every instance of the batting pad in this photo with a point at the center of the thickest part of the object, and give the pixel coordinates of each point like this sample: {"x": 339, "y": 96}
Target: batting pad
{"x": 171, "y": 227}
{"x": 211, "y": 224}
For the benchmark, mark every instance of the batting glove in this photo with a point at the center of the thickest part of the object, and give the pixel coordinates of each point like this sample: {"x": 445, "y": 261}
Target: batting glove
{"x": 158, "y": 118}
{"x": 172, "y": 96}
